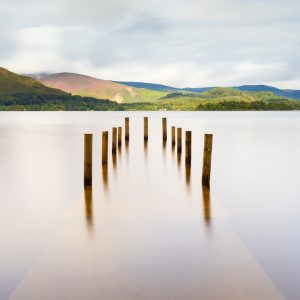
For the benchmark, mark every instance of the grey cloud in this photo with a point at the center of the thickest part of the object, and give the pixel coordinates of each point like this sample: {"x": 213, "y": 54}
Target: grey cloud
{"x": 191, "y": 42}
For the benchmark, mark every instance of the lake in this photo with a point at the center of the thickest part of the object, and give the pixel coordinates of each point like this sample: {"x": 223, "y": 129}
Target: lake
{"x": 147, "y": 229}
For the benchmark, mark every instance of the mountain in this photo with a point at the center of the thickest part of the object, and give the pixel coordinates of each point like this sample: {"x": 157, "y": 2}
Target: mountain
{"x": 294, "y": 94}
{"x": 197, "y": 90}
{"x": 150, "y": 86}
{"x": 259, "y": 88}
{"x": 130, "y": 91}
{"x": 214, "y": 95}
{"x": 14, "y": 84}
{"x": 87, "y": 86}
{"x": 18, "y": 92}
{"x": 228, "y": 99}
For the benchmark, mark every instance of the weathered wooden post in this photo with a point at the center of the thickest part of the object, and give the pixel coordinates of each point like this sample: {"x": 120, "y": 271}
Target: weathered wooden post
{"x": 127, "y": 129}
{"x": 119, "y": 136}
{"x": 146, "y": 128}
{"x": 114, "y": 140}
{"x": 208, "y": 140}
{"x": 104, "y": 147}
{"x": 164, "y": 128}
{"x": 188, "y": 147}
{"x": 88, "y": 160}
{"x": 173, "y": 135}
{"x": 179, "y": 143}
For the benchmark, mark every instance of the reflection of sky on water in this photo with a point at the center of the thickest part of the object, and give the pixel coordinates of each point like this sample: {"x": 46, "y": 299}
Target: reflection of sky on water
{"x": 147, "y": 213}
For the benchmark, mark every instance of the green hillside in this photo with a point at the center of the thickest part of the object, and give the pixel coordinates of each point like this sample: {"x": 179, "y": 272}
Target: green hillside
{"x": 25, "y": 93}
{"x": 13, "y": 84}
{"x": 141, "y": 95}
{"x": 223, "y": 99}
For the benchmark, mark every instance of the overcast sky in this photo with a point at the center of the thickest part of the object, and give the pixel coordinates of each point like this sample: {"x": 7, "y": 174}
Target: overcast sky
{"x": 176, "y": 42}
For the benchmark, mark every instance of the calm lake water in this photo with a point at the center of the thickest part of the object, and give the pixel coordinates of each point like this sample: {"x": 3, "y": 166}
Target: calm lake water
{"x": 147, "y": 230}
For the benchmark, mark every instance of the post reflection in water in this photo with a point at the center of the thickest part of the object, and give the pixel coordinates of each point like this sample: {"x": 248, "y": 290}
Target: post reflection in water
{"x": 188, "y": 174}
{"x": 89, "y": 208}
{"x": 127, "y": 148}
{"x": 164, "y": 145}
{"x": 206, "y": 205}
{"x": 179, "y": 159}
{"x": 164, "y": 148}
{"x": 119, "y": 149}
{"x": 146, "y": 148}
{"x": 105, "y": 177}
{"x": 173, "y": 148}
{"x": 114, "y": 161}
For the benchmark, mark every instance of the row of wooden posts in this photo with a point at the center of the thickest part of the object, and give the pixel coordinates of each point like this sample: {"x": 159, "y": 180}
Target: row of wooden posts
{"x": 117, "y": 140}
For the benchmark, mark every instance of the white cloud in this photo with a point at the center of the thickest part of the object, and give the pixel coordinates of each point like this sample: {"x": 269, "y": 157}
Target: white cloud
{"x": 183, "y": 43}
{"x": 36, "y": 48}
{"x": 39, "y": 49}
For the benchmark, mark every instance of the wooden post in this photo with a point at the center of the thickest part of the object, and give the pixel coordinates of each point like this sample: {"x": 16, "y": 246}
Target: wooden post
{"x": 208, "y": 140}
{"x": 179, "y": 145}
{"x": 146, "y": 128}
{"x": 104, "y": 147}
{"x": 127, "y": 129}
{"x": 164, "y": 128}
{"x": 173, "y": 135}
{"x": 188, "y": 147}
{"x": 114, "y": 140}
{"x": 88, "y": 159}
{"x": 119, "y": 136}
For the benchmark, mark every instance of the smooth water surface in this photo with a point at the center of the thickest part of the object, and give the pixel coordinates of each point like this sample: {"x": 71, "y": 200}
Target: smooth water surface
{"x": 147, "y": 229}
